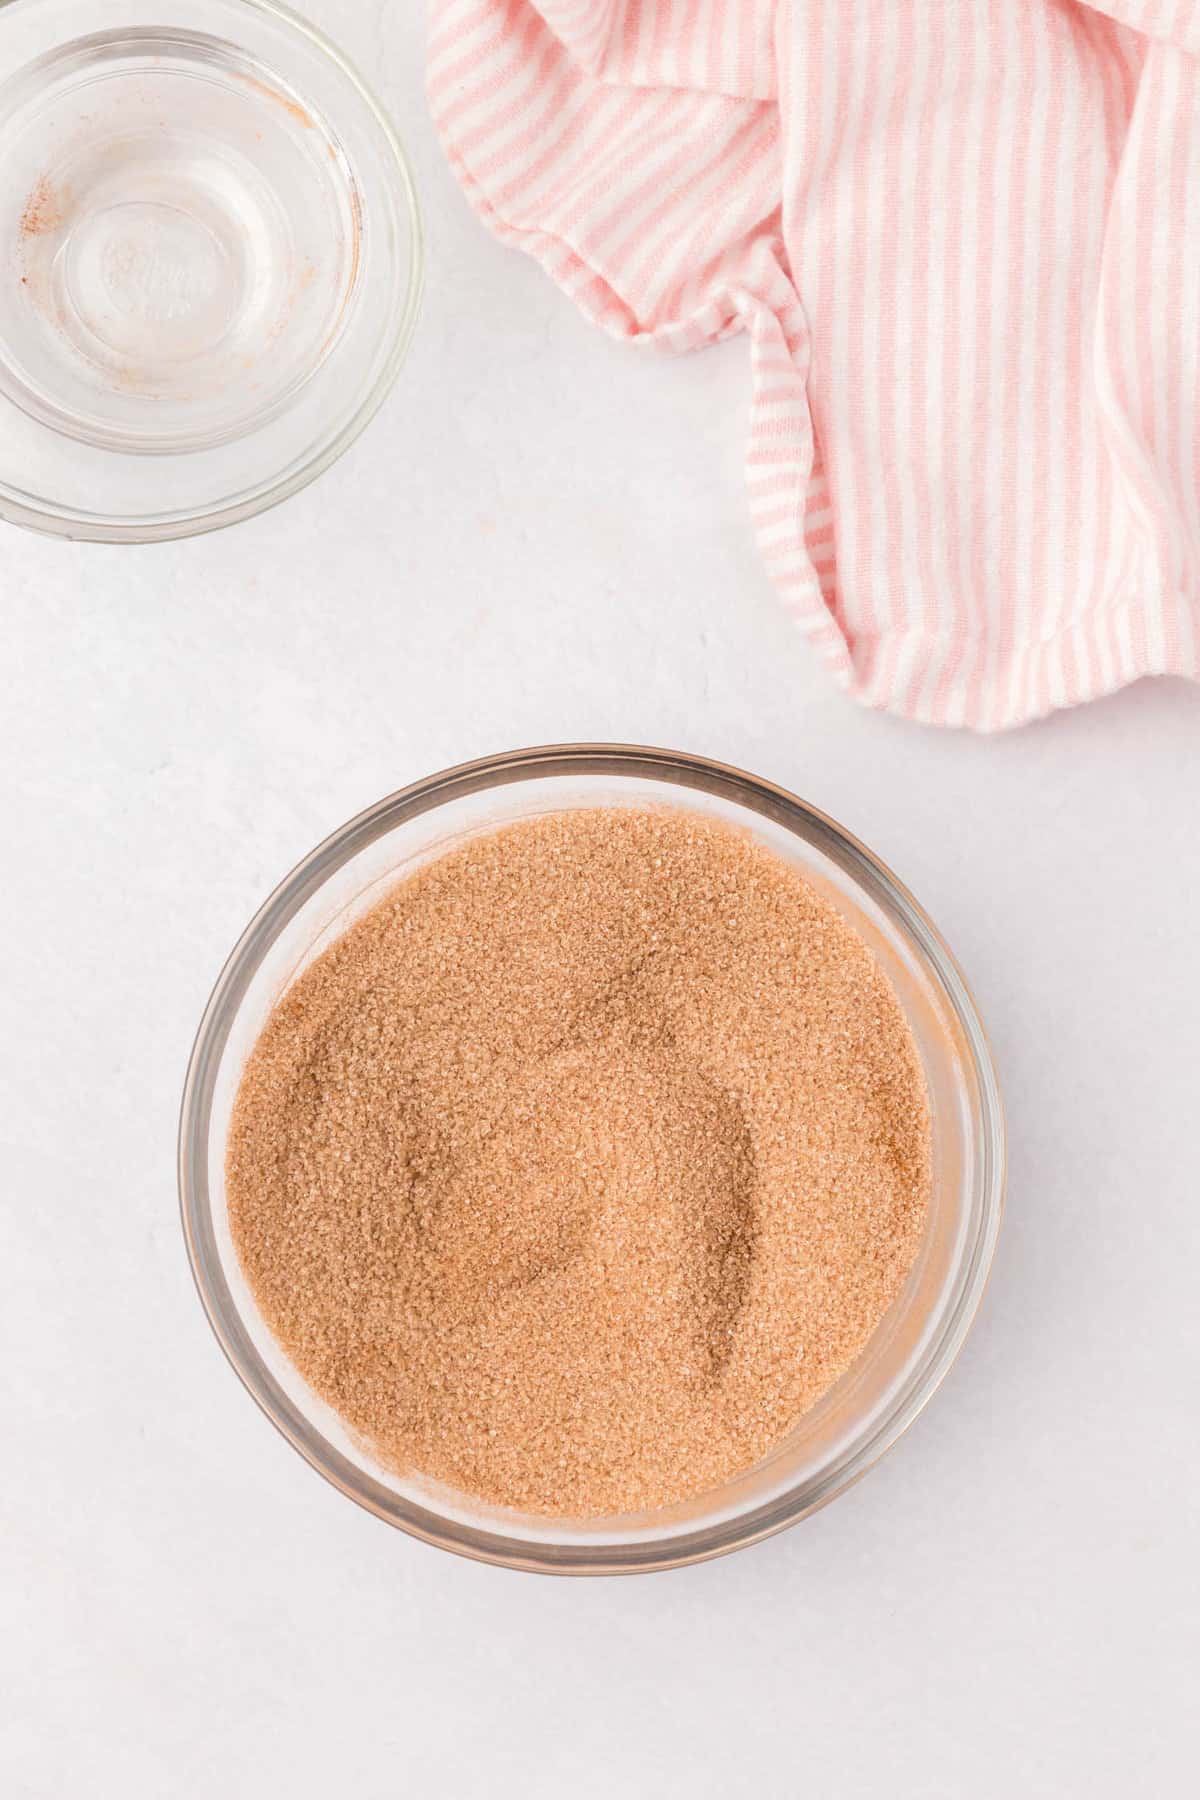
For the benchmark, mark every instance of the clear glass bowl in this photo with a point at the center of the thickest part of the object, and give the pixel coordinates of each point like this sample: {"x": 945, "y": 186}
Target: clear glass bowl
{"x": 910, "y": 1353}
{"x": 210, "y": 267}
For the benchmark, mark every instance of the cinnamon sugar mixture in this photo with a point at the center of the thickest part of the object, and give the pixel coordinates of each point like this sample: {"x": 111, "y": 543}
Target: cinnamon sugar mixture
{"x": 578, "y": 1169}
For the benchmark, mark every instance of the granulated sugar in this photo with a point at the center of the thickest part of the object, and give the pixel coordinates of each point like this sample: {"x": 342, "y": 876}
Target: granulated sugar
{"x": 578, "y": 1169}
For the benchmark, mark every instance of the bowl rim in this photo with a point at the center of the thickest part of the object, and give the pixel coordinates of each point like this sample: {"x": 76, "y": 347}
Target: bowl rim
{"x": 671, "y": 768}
{"x": 77, "y": 525}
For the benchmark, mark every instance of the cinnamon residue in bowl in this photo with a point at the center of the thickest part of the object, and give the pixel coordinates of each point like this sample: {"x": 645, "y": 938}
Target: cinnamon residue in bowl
{"x": 45, "y": 209}
{"x": 579, "y": 1168}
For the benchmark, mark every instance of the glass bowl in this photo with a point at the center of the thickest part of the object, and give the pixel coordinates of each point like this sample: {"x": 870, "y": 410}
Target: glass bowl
{"x": 866, "y": 1411}
{"x": 210, "y": 261}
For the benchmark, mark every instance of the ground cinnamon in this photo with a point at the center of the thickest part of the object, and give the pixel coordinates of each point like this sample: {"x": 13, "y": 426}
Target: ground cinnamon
{"x": 579, "y": 1168}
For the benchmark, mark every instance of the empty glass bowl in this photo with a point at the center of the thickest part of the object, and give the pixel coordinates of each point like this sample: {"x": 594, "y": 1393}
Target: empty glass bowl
{"x": 905, "y": 1360}
{"x": 210, "y": 262}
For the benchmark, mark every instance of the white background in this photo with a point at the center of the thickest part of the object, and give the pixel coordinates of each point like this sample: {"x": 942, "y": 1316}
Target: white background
{"x": 544, "y": 538}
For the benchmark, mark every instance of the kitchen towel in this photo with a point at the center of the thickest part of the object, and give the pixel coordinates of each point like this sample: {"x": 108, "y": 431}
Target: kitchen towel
{"x": 964, "y": 239}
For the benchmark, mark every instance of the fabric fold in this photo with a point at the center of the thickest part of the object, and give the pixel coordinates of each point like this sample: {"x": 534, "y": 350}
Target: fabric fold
{"x": 1174, "y": 21}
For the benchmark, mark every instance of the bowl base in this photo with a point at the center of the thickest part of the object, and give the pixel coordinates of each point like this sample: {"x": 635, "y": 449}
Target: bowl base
{"x": 184, "y": 231}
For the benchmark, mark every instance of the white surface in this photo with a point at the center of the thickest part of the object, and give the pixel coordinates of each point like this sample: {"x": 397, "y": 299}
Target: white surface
{"x": 544, "y": 538}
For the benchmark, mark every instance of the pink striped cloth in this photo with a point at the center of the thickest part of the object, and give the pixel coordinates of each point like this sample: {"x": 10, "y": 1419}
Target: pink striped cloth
{"x": 964, "y": 237}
